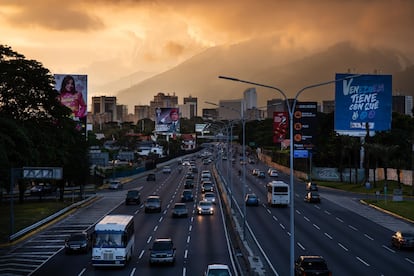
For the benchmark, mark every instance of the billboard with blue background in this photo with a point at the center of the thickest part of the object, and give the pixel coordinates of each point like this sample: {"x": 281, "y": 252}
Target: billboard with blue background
{"x": 362, "y": 100}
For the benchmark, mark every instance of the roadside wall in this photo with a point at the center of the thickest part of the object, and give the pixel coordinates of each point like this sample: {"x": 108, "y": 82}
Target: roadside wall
{"x": 332, "y": 174}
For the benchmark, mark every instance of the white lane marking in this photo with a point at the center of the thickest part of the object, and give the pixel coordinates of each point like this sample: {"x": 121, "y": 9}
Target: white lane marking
{"x": 133, "y": 271}
{"x": 316, "y": 226}
{"x": 389, "y": 249}
{"x": 327, "y": 212}
{"x": 352, "y": 227}
{"x": 369, "y": 237}
{"x": 141, "y": 254}
{"x": 149, "y": 239}
{"x": 362, "y": 261}
{"x": 343, "y": 247}
{"x": 275, "y": 218}
{"x": 338, "y": 219}
{"x": 409, "y": 260}
{"x": 306, "y": 218}
{"x": 329, "y": 236}
{"x": 82, "y": 271}
{"x": 155, "y": 228}
{"x": 300, "y": 245}
{"x": 281, "y": 225}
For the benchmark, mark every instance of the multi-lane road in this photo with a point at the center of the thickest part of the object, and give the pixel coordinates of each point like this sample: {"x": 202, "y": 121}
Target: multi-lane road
{"x": 199, "y": 239}
{"x": 353, "y": 238}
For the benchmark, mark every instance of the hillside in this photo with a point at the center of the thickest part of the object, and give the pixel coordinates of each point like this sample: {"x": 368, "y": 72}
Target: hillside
{"x": 289, "y": 70}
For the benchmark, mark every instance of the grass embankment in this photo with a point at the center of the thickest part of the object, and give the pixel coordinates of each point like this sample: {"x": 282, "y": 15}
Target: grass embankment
{"x": 26, "y": 214}
{"x": 382, "y": 200}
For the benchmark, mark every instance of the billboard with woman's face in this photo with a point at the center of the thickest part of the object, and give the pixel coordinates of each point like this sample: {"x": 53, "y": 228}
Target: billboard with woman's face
{"x": 72, "y": 91}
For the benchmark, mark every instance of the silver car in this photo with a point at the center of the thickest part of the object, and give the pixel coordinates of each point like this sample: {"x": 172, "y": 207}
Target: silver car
{"x": 205, "y": 208}
{"x": 210, "y": 196}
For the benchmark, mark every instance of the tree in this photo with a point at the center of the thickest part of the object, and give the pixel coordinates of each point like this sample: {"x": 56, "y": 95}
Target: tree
{"x": 36, "y": 128}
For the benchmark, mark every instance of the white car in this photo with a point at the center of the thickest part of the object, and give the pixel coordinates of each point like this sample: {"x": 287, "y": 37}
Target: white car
{"x": 205, "y": 208}
{"x": 115, "y": 185}
{"x": 273, "y": 173}
{"x": 166, "y": 169}
{"x": 218, "y": 269}
{"x": 210, "y": 196}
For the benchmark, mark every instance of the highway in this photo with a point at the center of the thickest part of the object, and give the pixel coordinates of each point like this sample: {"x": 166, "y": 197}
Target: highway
{"x": 199, "y": 239}
{"x": 353, "y": 238}
{"x": 351, "y": 243}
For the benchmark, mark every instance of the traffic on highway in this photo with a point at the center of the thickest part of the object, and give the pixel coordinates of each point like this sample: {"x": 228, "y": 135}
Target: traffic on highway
{"x": 181, "y": 226}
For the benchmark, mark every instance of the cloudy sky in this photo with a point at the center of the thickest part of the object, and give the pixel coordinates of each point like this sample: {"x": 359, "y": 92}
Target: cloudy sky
{"x": 110, "y": 39}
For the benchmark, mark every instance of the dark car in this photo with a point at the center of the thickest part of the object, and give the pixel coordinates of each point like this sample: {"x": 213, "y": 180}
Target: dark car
{"x": 152, "y": 204}
{"x": 311, "y": 265}
{"x": 312, "y": 197}
{"x": 252, "y": 200}
{"x": 311, "y": 186}
{"x": 162, "y": 252}
{"x": 189, "y": 175}
{"x": 133, "y": 196}
{"x": 42, "y": 189}
{"x": 261, "y": 174}
{"x": 189, "y": 184}
{"x": 77, "y": 243}
{"x": 179, "y": 210}
{"x": 403, "y": 239}
{"x": 207, "y": 186}
{"x": 187, "y": 196}
{"x": 151, "y": 177}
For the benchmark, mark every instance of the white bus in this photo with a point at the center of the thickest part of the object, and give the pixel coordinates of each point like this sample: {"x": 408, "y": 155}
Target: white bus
{"x": 278, "y": 193}
{"x": 113, "y": 241}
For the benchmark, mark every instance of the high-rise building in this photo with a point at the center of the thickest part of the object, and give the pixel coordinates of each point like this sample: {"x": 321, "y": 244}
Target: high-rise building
{"x": 402, "y": 104}
{"x": 275, "y": 105}
{"x": 142, "y": 111}
{"x": 162, "y": 100}
{"x": 104, "y": 104}
{"x": 192, "y": 102}
{"x": 250, "y": 98}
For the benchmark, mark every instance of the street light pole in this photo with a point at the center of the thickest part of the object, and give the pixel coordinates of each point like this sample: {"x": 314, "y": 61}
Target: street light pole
{"x": 291, "y": 110}
{"x": 244, "y": 160}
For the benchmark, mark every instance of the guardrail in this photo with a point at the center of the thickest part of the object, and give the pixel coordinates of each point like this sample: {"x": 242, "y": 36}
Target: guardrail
{"x": 32, "y": 227}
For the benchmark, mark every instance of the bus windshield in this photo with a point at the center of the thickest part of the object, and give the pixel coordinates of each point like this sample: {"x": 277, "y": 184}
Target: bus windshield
{"x": 108, "y": 239}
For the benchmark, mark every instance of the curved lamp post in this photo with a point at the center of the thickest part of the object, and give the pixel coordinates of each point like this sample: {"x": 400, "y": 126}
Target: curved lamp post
{"x": 291, "y": 110}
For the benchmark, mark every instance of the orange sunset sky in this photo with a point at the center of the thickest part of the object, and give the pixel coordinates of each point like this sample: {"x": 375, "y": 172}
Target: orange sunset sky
{"x": 111, "y": 39}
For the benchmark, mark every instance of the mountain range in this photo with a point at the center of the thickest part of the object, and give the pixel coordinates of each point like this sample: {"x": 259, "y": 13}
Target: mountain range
{"x": 263, "y": 61}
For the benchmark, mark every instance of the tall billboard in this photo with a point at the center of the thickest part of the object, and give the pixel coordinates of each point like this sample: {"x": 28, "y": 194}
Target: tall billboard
{"x": 280, "y": 124}
{"x": 363, "y": 101}
{"x": 73, "y": 94}
{"x": 304, "y": 125}
{"x": 167, "y": 120}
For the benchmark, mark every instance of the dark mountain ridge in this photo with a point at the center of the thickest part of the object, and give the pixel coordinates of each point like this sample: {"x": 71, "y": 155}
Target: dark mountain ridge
{"x": 256, "y": 61}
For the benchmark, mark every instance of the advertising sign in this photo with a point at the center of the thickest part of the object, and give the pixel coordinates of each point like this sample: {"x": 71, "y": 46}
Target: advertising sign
{"x": 361, "y": 102}
{"x": 73, "y": 94}
{"x": 280, "y": 124}
{"x": 201, "y": 128}
{"x": 304, "y": 125}
{"x": 167, "y": 120}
